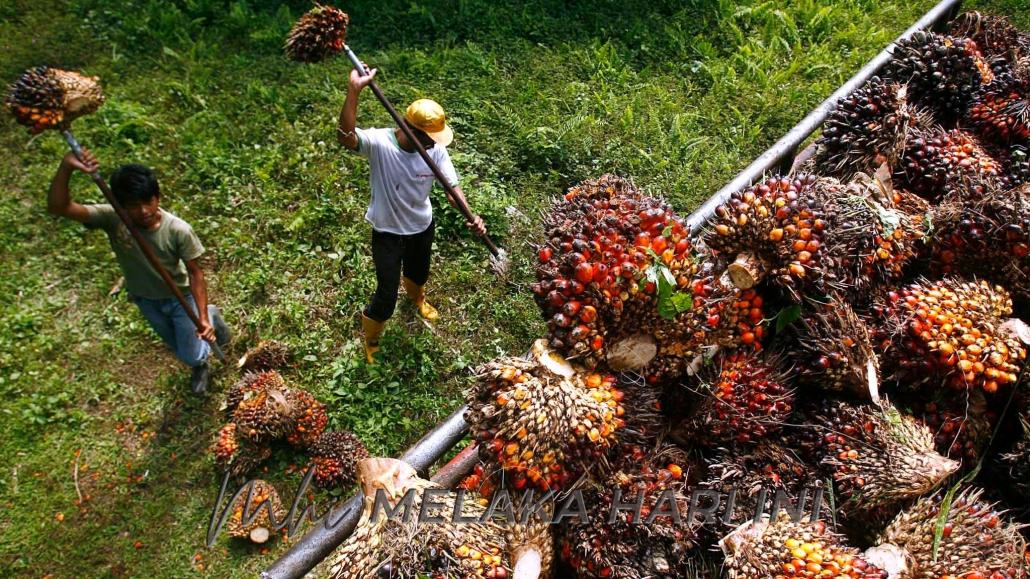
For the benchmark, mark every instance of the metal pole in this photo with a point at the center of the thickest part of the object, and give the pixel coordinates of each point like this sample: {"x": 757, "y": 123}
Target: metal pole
{"x": 783, "y": 151}
{"x": 320, "y": 542}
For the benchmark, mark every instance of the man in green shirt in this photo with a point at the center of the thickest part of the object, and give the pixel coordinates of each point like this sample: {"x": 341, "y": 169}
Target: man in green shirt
{"x": 177, "y": 248}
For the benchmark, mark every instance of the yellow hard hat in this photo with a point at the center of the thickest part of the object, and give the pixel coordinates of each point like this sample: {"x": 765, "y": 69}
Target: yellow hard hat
{"x": 428, "y": 116}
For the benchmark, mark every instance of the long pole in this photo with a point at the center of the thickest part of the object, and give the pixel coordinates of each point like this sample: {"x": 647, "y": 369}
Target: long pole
{"x": 456, "y": 199}
{"x": 144, "y": 245}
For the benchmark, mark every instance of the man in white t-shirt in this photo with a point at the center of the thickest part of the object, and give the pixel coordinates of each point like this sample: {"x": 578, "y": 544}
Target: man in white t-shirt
{"x": 400, "y": 212}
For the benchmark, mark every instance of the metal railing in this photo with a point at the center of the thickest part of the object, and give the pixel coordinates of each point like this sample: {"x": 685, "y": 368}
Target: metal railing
{"x": 320, "y": 542}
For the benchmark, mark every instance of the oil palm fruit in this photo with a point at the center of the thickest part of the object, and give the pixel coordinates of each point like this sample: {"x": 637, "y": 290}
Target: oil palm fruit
{"x": 264, "y": 414}
{"x": 875, "y": 233}
{"x": 949, "y": 332}
{"x": 251, "y": 384}
{"x": 617, "y": 278}
{"x": 319, "y": 34}
{"x": 961, "y": 424}
{"x": 994, "y": 35}
{"x": 47, "y": 98}
{"x": 1002, "y": 114}
{"x": 335, "y": 457}
{"x": 744, "y": 398}
{"x": 236, "y": 455}
{"x": 773, "y": 229}
{"x": 937, "y": 163}
{"x": 975, "y": 540}
{"x": 749, "y": 479}
{"x": 308, "y": 417}
{"x": 876, "y": 456}
{"x": 256, "y": 513}
{"x": 987, "y": 237}
{"x": 627, "y": 547}
{"x": 363, "y": 554}
{"x": 942, "y": 72}
{"x": 266, "y": 355}
{"x": 540, "y": 420}
{"x": 867, "y": 129}
{"x": 834, "y": 350}
{"x": 781, "y": 548}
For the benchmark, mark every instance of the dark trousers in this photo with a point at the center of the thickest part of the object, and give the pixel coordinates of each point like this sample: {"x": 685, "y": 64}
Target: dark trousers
{"x": 391, "y": 253}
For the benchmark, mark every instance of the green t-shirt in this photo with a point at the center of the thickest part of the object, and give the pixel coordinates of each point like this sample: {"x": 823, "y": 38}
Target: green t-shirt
{"x": 174, "y": 242}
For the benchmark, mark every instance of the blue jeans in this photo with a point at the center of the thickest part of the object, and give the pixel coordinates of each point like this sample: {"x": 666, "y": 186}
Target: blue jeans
{"x": 170, "y": 321}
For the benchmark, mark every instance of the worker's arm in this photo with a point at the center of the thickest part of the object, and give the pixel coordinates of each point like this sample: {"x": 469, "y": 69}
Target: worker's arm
{"x": 198, "y": 287}
{"x": 349, "y": 113}
{"x": 59, "y": 200}
{"x": 476, "y": 225}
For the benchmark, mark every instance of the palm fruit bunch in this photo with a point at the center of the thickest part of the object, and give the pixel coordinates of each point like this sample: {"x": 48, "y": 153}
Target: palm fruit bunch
{"x": 962, "y": 425}
{"x": 876, "y": 233}
{"x": 866, "y": 129}
{"x": 750, "y": 480}
{"x": 736, "y": 317}
{"x": 744, "y": 398}
{"x": 948, "y": 332}
{"x": 938, "y": 162}
{"x": 1015, "y": 162}
{"x": 266, "y": 355}
{"x": 773, "y": 229}
{"x": 530, "y": 547}
{"x": 308, "y": 416}
{"x": 988, "y": 237}
{"x": 833, "y": 349}
{"x": 782, "y": 548}
{"x": 876, "y": 456}
{"x": 47, "y": 98}
{"x": 256, "y": 513}
{"x": 335, "y": 457}
{"x": 618, "y": 266}
{"x": 363, "y": 554}
{"x": 1002, "y": 114}
{"x": 447, "y": 549}
{"x": 266, "y": 413}
{"x": 975, "y": 540}
{"x": 994, "y": 35}
{"x": 319, "y": 34}
{"x": 237, "y": 455}
{"x": 250, "y": 385}
{"x": 628, "y": 547}
{"x": 540, "y": 420}
{"x": 943, "y": 73}
{"x": 648, "y": 421}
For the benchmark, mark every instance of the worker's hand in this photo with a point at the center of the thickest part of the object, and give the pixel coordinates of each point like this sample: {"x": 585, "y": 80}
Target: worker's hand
{"x": 88, "y": 164}
{"x": 477, "y": 226}
{"x": 357, "y": 81}
{"x": 206, "y": 331}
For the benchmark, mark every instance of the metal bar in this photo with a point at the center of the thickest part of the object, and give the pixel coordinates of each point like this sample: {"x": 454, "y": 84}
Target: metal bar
{"x": 320, "y": 541}
{"x": 782, "y": 152}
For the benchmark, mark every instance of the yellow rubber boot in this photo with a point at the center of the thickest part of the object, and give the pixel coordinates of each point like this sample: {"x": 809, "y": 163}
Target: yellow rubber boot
{"x": 417, "y": 294}
{"x": 372, "y": 330}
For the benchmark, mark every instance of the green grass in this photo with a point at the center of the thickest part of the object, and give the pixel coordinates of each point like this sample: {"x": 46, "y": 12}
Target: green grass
{"x": 679, "y": 95}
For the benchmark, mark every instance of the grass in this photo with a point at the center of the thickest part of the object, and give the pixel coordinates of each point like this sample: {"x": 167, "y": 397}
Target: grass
{"x": 679, "y": 95}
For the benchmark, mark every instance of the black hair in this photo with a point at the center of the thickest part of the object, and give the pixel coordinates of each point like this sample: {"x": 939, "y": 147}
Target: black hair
{"x": 134, "y": 184}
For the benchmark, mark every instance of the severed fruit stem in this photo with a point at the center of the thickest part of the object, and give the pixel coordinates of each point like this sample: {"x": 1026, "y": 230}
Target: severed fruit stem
{"x": 745, "y": 271}
{"x": 632, "y": 353}
{"x": 527, "y": 564}
{"x": 259, "y": 534}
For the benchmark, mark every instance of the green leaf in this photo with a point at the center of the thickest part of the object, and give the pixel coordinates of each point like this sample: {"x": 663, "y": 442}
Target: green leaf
{"x": 787, "y": 316}
{"x": 667, "y": 231}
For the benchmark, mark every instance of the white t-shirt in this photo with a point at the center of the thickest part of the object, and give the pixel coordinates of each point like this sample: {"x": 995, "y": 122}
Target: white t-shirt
{"x": 401, "y": 182}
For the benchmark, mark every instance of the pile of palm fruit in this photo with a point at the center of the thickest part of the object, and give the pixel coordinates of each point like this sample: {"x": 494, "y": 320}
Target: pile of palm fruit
{"x": 843, "y": 343}
{"x": 263, "y": 411}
